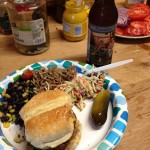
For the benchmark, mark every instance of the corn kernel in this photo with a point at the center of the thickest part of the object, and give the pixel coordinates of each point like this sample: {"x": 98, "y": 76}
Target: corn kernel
{"x": 3, "y": 93}
{"x": 18, "y": 138}
{"x": 8, "y": 115}
{"x": 10, "y": 119}
{"x": 1, "y": 114}
{"x": 12, "y": 110}
{"x": 8, "y": 96}
{"x": 6, "y": 124}
{"x": 13, "y": 118}
{"x": 26, "y": 100}
{"x": 9, "y": 107}
{"x": 24, "y": 94}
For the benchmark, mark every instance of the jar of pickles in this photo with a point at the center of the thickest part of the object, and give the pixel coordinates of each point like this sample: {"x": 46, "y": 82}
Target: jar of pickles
{"x": 75, "y": 21}
{"x": 5, "y": 27}
{"x": 29, "y": 25}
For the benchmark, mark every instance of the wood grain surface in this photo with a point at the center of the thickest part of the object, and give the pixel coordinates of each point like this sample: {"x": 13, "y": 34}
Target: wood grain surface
{"x": 134, "y": 78}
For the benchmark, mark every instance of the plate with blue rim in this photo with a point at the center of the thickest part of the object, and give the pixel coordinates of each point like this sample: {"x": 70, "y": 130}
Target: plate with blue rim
{"x": 104, "y": 138}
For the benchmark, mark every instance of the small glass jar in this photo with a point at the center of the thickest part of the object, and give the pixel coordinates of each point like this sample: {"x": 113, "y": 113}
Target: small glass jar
{"x": 75, "y": 21}
{"x": 5, "y": 27}
{"x": 29, "y": 23}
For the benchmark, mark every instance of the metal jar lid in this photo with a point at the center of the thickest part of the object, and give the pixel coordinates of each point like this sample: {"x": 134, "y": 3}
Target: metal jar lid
{"x": 21, "y": 1}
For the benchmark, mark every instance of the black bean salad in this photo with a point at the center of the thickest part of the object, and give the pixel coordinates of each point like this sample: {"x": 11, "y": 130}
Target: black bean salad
{"x": 14, "y": 98}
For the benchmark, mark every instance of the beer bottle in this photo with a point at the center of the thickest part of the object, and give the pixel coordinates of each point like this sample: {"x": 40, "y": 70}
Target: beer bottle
{"x": 103, "y": 18}
{"x": 148, "y": 2}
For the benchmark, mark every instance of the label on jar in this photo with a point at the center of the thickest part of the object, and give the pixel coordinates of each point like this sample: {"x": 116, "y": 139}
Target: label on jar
{"x": 29, "y": 33}
{"x": 75, "y": 30}
{"x": 100, "y": 44}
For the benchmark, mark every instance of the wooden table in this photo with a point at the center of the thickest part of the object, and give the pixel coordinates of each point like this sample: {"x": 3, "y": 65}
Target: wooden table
{"x": 134, "y": 78}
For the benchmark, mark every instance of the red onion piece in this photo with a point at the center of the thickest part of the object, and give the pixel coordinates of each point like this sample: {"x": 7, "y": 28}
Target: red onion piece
{"x": 123, "y": 18}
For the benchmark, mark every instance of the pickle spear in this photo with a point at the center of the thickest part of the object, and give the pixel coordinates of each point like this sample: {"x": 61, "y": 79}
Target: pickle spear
{"x": 99, "y": 108}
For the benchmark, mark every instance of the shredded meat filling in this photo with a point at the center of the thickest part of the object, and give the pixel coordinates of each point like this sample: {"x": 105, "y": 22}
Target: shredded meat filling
{"x": 48, "y": 79}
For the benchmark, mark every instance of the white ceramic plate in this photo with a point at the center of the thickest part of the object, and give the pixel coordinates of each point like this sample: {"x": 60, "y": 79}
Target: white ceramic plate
{"x": 132, "y": 37}
{"x": 107, "y": 137}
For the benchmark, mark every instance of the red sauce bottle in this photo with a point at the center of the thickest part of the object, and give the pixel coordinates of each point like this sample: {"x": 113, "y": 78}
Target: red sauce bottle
{"x": 103, "y": 18}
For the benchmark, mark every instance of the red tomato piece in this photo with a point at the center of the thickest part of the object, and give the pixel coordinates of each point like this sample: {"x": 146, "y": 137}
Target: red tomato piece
{"x": 119, "y": 31}
{"x": 126, "y": 32}
{"x": 148, "y": 28}
{"x": 132, "y": 31}
{"x": 138, "y": 12}
{"x": 27, "y": 75}
{"x": 147, "y": 18}
{"x": 139, "y": 25}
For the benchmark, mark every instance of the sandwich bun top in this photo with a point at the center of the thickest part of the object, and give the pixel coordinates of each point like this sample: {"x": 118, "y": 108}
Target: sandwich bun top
{"x": 44, "y": 101}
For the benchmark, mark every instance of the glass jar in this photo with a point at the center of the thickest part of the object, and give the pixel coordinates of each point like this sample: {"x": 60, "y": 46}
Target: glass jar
{"x": 75, "y": 21}
{"x": 5, "y": 27}
{"x": 29, "y": 24}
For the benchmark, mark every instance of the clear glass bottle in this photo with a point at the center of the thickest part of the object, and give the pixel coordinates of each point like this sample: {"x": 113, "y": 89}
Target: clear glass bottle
{"x": 75, "y": 21}
{"x": 5, "y": 27}
{"x": 129, "y": 3}
{"x": 29, "y": 24}
{"x": 103, "y": 18}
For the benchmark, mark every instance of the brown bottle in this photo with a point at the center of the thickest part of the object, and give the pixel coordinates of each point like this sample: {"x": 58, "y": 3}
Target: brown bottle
{"x": 148, "y": 2}
{"x": 103, "y": 18}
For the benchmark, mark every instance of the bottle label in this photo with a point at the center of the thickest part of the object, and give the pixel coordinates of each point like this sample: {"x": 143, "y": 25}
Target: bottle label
{"x": 29, "y": 33}
{"x": 100, "y": 44}
{"x": 75, "y": 30}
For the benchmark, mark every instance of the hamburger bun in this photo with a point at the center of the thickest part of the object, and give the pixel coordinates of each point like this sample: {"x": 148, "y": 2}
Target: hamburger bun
{"x": 50, "y": 122}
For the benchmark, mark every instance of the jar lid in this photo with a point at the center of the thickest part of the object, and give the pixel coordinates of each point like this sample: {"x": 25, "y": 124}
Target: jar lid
{"x": 72, "y": 5}
{"x": 21, "y": 1}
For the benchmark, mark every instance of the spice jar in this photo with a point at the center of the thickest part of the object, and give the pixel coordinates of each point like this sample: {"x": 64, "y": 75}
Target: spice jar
{"x": 5, "y": 27}
{"x": 29, "y": 24}
{"x": 75, "y": 21}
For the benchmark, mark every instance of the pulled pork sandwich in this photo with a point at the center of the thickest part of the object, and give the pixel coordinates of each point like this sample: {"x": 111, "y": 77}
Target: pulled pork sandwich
{"x": 50, "y": 122}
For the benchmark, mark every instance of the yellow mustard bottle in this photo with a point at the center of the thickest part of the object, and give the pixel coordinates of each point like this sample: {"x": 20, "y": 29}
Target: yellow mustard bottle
{"x": 75, "y": 21}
